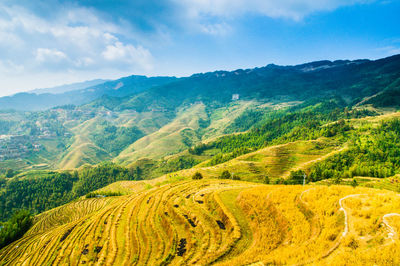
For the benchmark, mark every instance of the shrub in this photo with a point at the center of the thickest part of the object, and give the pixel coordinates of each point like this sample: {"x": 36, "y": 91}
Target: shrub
{"x": 235, "y": 177}
{"x": 10, "y": 173}
{"x": 296, "y": 177}
{"x": 354, "y": 183}
{"x": 225, "y": 175}
{"x": 337, "y": 180}
{"x": 103, "y": 194}
{"x": 197, "y": 176}
{"x": 352, "y": 242}
{"x": 266, "y": 180}
{"x": 280, "y": 181}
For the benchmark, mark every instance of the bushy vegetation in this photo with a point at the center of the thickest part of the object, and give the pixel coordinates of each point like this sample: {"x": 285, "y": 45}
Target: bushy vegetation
{"x": 296, "y": 178}
{"x": 250, "y": 118}
{"x": 36, "y": 194}
{"x": 197, "y": 176}
{"x": 93, "y": 178}
{"x": 372, "y": 152}
{"x": 114, "y": 139}
{"x": 15, "y": 227}
{"x": 225, "y": 175}
{"x": 148, "y": 169}
{"x": 102, "y": 194}
{"x": 389, "y": 98}
{"x": 310, "y": 122}
{"x": 41, "y": 192}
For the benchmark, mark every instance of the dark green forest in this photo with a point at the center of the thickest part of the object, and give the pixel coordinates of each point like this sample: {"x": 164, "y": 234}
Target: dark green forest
{"x": 46, "y": 191}
{"x": 114, "y": 139}
{"x": 372, "y": 152}
{"x": 15, "y": 227}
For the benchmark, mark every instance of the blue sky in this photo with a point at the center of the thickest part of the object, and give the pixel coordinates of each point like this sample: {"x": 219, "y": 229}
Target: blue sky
{"x": 44, "y": 43}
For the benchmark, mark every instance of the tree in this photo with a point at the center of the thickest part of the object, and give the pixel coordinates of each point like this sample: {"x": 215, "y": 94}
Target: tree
{"x": 280, "y": 181}
{"x": 197, "y": 176}
{"x": 225, "y": 175}
{"x": 354, "y": 183}
{"x": 337, "y": 180}
{"x": 296, "y": 177}
{"x": 266, "y": 180}
{"x": 10, "y": 173}
{"x": 15, "y": 228}
{"x": 235, "y": 177}
{"x": 2, "y": 181}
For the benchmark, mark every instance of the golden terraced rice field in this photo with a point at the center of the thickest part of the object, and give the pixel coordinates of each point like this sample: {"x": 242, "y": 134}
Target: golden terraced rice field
{"x": 219, "y": 222}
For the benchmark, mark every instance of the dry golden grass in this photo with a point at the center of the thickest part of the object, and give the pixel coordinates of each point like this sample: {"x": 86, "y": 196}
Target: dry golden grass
{"x": 216, "y": 222}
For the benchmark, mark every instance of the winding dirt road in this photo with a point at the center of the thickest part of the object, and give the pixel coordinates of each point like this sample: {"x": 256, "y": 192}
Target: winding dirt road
{"x": 392, "y": 232}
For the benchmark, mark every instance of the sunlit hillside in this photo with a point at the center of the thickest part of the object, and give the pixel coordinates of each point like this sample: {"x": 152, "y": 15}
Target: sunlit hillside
{"x": 216, "y": 221}
{"x": 198, "y": 132}
{"x": 275, "y": 162}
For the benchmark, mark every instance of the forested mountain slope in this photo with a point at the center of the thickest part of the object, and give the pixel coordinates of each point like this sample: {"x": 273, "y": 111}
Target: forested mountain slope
{"x": 162, "y": 116}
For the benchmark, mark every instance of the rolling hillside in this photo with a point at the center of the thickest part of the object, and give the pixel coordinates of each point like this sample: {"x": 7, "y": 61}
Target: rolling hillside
{"x": 191, "y": 125}
{"x": 220, "y": 222}
{"x": 170, "y": 115}
{"x": 83, "y": 150}
{"x": 274, "y": 161}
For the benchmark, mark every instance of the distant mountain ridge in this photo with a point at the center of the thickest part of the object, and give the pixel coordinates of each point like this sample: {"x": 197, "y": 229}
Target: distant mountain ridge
{"x": 29, "y": 101}
{"x": 69, "y": 87}
{"x": 270, "y": 81}
{"x": 352, "y": 80}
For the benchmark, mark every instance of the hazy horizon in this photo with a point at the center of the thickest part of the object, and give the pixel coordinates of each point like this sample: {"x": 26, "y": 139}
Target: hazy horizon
{"x": 32, "y": 90}
{"x": 54, "y": 42}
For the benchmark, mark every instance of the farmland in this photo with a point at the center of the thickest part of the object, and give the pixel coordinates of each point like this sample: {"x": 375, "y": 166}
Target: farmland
{"x": 213, "y": 221}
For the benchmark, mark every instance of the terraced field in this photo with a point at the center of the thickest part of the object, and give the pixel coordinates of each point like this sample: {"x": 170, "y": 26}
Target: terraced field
{"x": 275, "y": 161}
{"x": 216, "y": 222}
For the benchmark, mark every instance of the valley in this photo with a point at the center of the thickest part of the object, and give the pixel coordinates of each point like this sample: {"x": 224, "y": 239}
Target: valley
{"x": 266, "y": 166}
{"x": 245, "y": 132}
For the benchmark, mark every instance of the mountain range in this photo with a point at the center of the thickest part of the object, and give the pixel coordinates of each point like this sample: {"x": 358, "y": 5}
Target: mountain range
{"x": 151, "y": 170}
{"x": 138, "y": 117}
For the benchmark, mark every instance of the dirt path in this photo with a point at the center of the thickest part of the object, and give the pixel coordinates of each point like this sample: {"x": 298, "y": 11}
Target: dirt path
{"x": 346, "y": 218}
{"x": 392, "y": 232}
{"x": 315, "y": 227}
{"x": 323, "y": 157}
{"x": 346, "y": 225}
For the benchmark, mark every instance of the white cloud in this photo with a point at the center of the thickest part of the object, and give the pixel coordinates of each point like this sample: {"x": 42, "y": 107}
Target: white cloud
{"x": 73, "y": 39}
{"x": 45, "y": 54}
{"x": 8, "y": 67}
{"x": 118, "y": 52}
{"x": 215, "y": 28}
{"x": 389, "y": 50}
{"x": 290, "y": 9}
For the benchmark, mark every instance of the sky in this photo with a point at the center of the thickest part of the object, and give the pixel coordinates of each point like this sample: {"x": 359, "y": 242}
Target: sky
{"x": 44, "y": 43}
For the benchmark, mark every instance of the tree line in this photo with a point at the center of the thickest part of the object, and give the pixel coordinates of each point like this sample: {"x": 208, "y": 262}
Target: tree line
{"x": 44, "y": 192}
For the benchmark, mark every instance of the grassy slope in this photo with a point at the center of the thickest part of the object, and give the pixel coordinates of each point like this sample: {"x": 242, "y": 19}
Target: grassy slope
{"x": 275, "y": 161}
{"x": 168, "y": 139}
{"x": 83, "y": 150}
